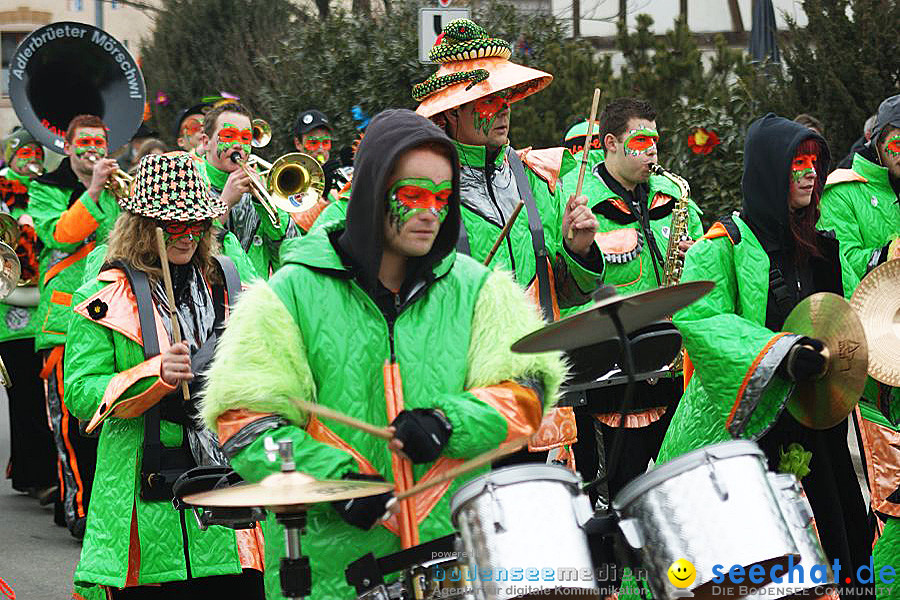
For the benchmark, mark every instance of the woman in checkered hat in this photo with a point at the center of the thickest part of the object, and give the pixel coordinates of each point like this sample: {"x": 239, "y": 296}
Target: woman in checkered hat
{"x": 129, "y": 379}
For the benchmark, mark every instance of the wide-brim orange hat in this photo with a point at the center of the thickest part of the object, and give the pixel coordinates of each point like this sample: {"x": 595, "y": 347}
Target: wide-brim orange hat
{"x": 523, "y": 81}
{"x": 473, "y": 66}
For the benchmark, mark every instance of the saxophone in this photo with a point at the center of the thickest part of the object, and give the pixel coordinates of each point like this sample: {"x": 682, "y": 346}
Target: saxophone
{"x": 678, "y": 227}
{"x": 678, "y": 231}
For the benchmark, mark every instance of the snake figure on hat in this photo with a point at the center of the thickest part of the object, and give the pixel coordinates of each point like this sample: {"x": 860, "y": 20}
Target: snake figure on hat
{"x": 470, "y": 97}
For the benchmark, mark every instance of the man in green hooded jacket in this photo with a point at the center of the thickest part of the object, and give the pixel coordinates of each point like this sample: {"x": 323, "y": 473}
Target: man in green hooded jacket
{"x": 860, "y": 204}
{"x": 381, "y": 319}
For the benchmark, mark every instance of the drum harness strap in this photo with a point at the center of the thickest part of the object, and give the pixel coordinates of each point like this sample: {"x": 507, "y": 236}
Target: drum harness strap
{"x": 535, "y": 226}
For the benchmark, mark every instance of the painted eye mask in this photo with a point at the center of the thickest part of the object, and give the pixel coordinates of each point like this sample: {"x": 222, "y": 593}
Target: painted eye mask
{"x": 230, "y": 137}
{"x": 313, "y": 144}
{"x": 486, "y": 111}
{"x": 410, "y": 196}
{"x": 28, "y": 154}
{"x": 640, "y": 141}
{"x": 191, "y": 126}
{"x": 86, "y": 142}
{"x": 802, "y": 165}
{"x": 177, "y": 230}
{"x": 893, "y": 145}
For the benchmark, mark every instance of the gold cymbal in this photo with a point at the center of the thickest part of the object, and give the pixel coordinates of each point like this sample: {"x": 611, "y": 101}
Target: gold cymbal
{"x": 290, "y": 488}
{"x": 877, "y": 302}
{"x": 826, "y": 401}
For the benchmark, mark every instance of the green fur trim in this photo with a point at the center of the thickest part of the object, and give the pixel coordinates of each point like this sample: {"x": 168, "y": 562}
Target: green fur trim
{"x": 503, "y": 314}
{"x": 795, "y": 460}
{"x": 260, "y": 363}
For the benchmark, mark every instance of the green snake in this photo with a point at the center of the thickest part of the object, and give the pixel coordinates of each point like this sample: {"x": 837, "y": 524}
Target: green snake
{"x": 461, "y": 39}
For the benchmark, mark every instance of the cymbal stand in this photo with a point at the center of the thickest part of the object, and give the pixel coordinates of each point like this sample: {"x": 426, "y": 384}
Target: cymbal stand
{"x": 295, "y": 572}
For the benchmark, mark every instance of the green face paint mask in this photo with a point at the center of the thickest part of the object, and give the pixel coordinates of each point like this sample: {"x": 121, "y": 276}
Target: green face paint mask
{"x": 640, "y": 141}
{"x": 486, "y": 111}
{"x": 802, "y": 165}
{"x": 26, "y": 155}
{"x": 86, "y": 142}
{"x": 410, "y": 196}
{"x": 230, "y": 136}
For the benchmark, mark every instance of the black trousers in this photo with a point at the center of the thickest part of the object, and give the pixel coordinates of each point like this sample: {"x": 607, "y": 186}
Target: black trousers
{"x": 246, "y": 586}
{"x": 32, "y": 461}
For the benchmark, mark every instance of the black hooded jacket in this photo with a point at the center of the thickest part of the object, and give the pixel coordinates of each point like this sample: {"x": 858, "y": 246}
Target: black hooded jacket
{"x": 768, "y": 153}
{"x": 360, "y": 244}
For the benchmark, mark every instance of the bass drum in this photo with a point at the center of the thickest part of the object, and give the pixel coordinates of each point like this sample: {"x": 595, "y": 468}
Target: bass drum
{"x": 712, "y": 506}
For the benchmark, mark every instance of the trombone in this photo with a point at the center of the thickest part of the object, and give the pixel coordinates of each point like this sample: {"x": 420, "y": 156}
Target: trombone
{"x": 293, "y": 183}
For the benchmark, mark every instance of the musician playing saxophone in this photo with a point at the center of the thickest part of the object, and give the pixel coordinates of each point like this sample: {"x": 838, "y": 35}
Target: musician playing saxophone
{"x": 634, "y": 211}
{"x": 73, "y": 212}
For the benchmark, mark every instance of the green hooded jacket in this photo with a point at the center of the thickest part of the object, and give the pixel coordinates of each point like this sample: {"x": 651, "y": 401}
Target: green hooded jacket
{"x": 103, "y": 361}
{"x": 316, "y": 332}
{"x": 16, "y": 322}
{"x": 70, "y": 224}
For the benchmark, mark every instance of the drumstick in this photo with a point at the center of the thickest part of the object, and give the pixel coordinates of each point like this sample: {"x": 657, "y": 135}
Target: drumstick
{"x": 469, "y": 465}
{"x": 505, "y": 232}
{"x": 170, "y": 297}
{"x": 587, "y": 147}
{"x": 328, "y": 413}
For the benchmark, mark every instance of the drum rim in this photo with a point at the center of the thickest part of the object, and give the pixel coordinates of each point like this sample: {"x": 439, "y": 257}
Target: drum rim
{"x": 509, "y": 476}
{"x": 686, "y": 462}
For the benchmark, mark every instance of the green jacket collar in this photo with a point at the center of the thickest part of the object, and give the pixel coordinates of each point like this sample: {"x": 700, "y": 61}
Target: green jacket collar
{"x": 476, "y": 156}
{"x": 875, "y": 174}
{"x": 10, "y": 174}
{"x": 217, "y": 177}
{"x": 656, "y": 184}
{"x": 316, "y": 251}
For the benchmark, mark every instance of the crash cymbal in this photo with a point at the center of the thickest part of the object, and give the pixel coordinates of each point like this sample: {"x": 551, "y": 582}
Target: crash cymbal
{"x": 594, "y": 325}
{"x": 826, "y": 401}
{"x": 288, "y": 489}
{"x": 877, "y": 302}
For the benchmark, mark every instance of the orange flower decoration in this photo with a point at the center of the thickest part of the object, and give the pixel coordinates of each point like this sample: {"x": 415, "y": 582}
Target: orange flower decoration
{"x": 702, "y": 141}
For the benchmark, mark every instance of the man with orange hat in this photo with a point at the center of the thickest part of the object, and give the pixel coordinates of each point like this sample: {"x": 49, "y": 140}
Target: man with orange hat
{"x": 550, "y": 246}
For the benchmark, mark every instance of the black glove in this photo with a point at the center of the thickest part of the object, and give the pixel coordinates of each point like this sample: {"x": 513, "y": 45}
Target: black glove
{"x": 363, "y": 512}
{"x": 424, "y": 433}
{"x": 804, "y": 361}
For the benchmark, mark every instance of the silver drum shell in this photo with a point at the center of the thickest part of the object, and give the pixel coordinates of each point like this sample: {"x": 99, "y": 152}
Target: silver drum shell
{"x": 525, "y": 517}
{"x": 711, "y": 506}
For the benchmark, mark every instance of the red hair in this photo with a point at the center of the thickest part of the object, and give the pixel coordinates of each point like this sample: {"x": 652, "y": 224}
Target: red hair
{"x": 803, "y": 221}
{"x": 80, "y": 121}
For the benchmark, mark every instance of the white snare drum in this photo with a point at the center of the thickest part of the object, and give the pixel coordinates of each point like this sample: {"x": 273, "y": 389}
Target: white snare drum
{"x": 711, "y": 506}
{"x": 521, "y": 531}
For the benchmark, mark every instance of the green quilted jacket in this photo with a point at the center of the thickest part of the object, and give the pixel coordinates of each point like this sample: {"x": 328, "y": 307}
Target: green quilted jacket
{"x": 16, "y": 322}
{"x": 734, "y": 384}
{"x": 625, "y": 252}
{"x": 313, "y": 333}
{"x": 104, "y": 360}
{"x": 69, "y": 224}
{"x": 860, "y": 205}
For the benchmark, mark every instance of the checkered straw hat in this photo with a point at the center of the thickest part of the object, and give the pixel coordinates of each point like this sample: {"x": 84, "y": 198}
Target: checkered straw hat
{"x": 169, "y": 187}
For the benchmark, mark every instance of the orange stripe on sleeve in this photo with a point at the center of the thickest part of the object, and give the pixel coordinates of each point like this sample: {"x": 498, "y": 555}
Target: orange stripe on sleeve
{"x": 74, "y": 225}
{"x": 517, "y": 404}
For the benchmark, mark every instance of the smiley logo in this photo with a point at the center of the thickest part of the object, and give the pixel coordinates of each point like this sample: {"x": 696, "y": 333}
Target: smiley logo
{"x": 682, "y": 573}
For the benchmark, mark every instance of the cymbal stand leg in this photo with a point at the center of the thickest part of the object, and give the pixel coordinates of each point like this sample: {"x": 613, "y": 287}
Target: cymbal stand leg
{"x": 295, "y": 572}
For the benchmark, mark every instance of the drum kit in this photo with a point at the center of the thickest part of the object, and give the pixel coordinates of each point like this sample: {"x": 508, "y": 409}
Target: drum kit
{"x": 522, "y": 531}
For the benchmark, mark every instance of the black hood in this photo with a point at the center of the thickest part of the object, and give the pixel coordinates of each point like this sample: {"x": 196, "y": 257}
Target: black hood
{"x": 389, "y": 135}
{"x": 768, "y": 153}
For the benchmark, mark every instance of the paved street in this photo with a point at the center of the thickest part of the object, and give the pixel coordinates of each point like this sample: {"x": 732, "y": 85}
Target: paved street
{"x": 37, "y": 558}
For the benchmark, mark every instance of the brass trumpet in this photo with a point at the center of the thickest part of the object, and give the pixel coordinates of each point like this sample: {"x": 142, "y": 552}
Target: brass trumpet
{"x": 35, "y": 168}
{"x": 119, "y": 182}
{"x": 293, "y": 183}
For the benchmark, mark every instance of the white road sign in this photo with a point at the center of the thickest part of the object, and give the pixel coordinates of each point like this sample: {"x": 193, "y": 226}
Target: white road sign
{"x": 431, "y": 22}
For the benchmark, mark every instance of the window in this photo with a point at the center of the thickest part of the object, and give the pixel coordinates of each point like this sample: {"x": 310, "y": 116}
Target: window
{"x": 113, "y": 4}
{"x": 9, "y": 40}
{"x": 76, "y": 5}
